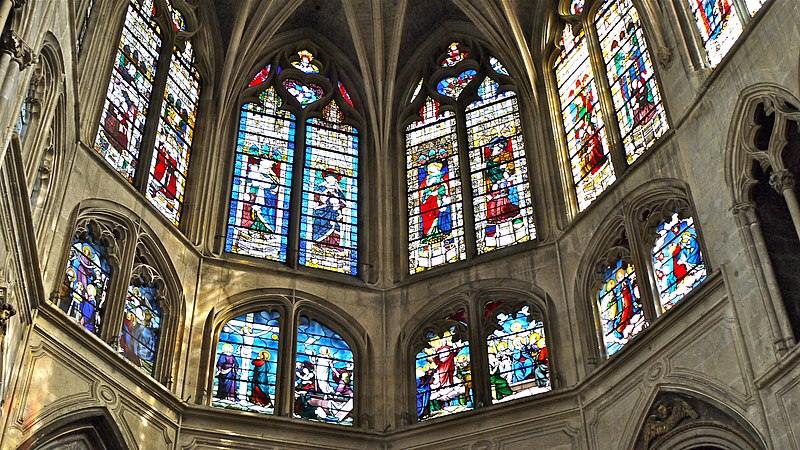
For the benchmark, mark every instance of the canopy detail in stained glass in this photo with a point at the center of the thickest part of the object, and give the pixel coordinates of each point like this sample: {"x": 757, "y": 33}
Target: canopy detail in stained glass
{"x": 444, "y": 372}
{"x": 677, "y": 260}
{"x": 499, "y": 172}
{"x": 260, "y": 77}
{"x": 246, "y": 363}
{"x": 620, "y": 309}
{"x": 329, "y": 221}
{"x": 435, "y": 217}
{"x": 634, "y": 89}
{"x": 305, "y": 94}
{"x": 258, "y": 221}
{"x": 141, "y": 327}
{"x": 453, "y": 86}
{"x": 324, "y": 374}
{"x": 86, "y": 282}
{"x": 518, "y": 356}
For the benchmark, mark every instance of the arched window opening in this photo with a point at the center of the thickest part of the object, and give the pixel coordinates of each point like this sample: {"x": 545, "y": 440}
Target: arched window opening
{"x": 246, "y": 364}
{"x": 607, "y": 92}
{"x": 619, "y": 305}
{"x": 324, "y": 374}
{"x": 447, "y": 222}
{"x": 87, "y": 280}
{"x": 587, "y": 143}
{"x": 297, "y": 115}
{"x": 443, "y": 369}
{"x": 721, "y": 22}
{"x": 518, "y": 357}
{"x": 141, "y": 326}
{"x": 677, "y": 259}
{"x": 150, "y": 107}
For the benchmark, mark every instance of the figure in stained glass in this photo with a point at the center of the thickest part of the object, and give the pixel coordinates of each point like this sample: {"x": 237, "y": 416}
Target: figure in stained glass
{"x": 246, "y": 362}
{"x": 141, "y": 327}
{"x": 324, "y": 369}
{"x": 517, "y": 353}
{"x": 444, "y": 381}
{"x": 329, "y": 201}
{"x": 587, "y": 139}
{"x": 719, "y": 26}
{"x": 677, "y": 260}
{"x": 455, "y": 54}
{"x": 619, "y": 305}
{"x": 453, "y": 86}
{"x": 86, "y": 281}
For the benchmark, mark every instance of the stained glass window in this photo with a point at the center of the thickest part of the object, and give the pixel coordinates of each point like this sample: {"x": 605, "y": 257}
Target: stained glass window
{"x": 455, "y": 54}
{"x": 454, "y": 86}
{"x": 753, "y": 6}
{"x": 329, "y": 223}
{"x": 260, "y": 77}
{"x": 170, "y": 163}
{"x": 258, "y": 222}
{"x": 517, "y": 353}
{"x": 141, "y": 327}
{"x": 576, "y": 7}
{"x": 497, "y": 66}
{"x": 246, "y": 363}
{"x": 324, "y": 374}
{"x": 128, "y": 97}
{"x": 677, "y": 260}
{"x": 584, "y": 128}
{"x": 719, "y": 26}
{"x": 634, "y": 90}
{"x": 501, "y": 193}
{"x": 443, "y": 371}
{"x": 619, "y": 305}
{"x": 86, "y": 281}
{"x": 435, "y": 224}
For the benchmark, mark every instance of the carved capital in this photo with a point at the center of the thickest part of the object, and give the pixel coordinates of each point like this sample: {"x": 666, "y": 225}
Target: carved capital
{"x": 12, "y": 44}
{"x": 745, "y": 210}
{"x": 665, "y": 55}
{"x": 781, "y": 180}
{"x": 17, "y": 4}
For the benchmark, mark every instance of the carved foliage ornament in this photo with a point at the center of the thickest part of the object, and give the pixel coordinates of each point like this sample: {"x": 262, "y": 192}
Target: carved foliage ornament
{"x": 20, "y": 52}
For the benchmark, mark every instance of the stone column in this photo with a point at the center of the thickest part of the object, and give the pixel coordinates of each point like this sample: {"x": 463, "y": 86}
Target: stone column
{"x": 783, "y": 182}
{"x": 15, "y": 56}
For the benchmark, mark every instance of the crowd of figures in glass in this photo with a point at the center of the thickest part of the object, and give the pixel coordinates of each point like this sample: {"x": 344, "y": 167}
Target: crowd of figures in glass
{"x": 258, "y": 222}
{"x": 141, "y": 326}
{"x": 618, "y": 303}
{"x": 328, "y": 227}
{"x": 129, "y": 90}
{"x": 435, "y": 223}
{"x": 677, "y": 260}
{"x": 719, "y": 26}
{"x": 324, "y": 378}
{"x": 247, "y": 362}
{"x": 86, "y": 281}
{"x": 517, "y": 353}
{"x": 584, "y": 129}
{"x": 634, "y": 89}
{"x": 170, "y": 163}
{"x": 443, "y": 370}
{"x": 501, "y": 193}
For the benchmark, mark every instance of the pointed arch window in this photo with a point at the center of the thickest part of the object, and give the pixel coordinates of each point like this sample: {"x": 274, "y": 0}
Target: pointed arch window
{"x": 466, "y": 168}
{"x": 247, "y": 374}
{"x": 619, "y": 304}
{"x": 608, "y": 94}
{"x": 148, "y": 118}
{"x": 294, "y": 195}
{"x": 720, "y": 23}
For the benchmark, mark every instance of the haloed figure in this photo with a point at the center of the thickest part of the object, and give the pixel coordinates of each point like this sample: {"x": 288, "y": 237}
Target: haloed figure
{"x": 260, "y": 380}
{"x": 227, "y": 374}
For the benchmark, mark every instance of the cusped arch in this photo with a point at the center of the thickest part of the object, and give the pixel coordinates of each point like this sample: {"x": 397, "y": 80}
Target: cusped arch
{"x": 93, "y": 427}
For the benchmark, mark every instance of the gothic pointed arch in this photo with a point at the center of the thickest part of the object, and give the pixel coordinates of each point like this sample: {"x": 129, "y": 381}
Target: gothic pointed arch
{"x": 90, "y": 428}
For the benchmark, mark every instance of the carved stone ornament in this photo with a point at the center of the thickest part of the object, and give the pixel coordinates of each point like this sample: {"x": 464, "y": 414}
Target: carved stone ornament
{"x": 667, "y": 414}
{"x": 12, "y": 44}
{"x": 781, "y": 180}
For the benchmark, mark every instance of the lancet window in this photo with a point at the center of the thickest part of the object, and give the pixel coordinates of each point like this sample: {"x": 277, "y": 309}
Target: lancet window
{"x": 604, "y": 84}
{"x": 248, "y": 375}
{"x": 148, "y": 118}
{"x": 466, "y": 168}
{"x": 720, "y": 23}
{"x": 294, "y": 194}
{"x": 135, "y": 307}
{"x": 636, "y": 281}
{"x": 500, "y": 356}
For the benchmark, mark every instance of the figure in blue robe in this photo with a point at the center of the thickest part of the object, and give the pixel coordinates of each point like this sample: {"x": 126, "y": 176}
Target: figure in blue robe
{"x": 227, "y": 374}
{"x": 424, "y": 394}
{"x": 330, "y": 200}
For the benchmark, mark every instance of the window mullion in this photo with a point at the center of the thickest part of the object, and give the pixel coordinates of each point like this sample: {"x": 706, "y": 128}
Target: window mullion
{"x": 480, "y": 363}
{"x": 153, "y": 117}
{"x": 466, "y": 182}
{"x": 296, "y": 196}
{"x": 285, "y": 374}
{"x": 639, "y": 245}
{"x": 616, "y": 145}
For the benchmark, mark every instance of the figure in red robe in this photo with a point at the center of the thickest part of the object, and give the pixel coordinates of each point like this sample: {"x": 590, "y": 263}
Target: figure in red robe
{"x": 164, "y": 172}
